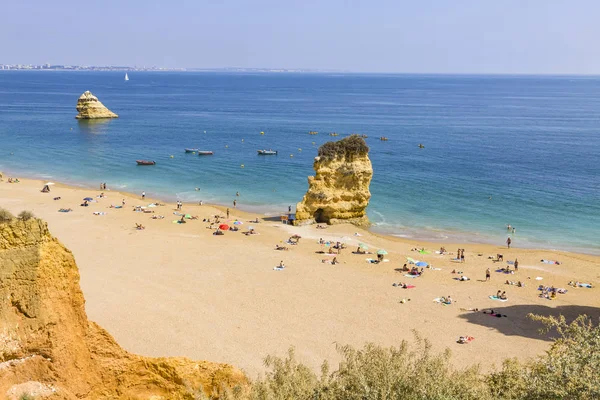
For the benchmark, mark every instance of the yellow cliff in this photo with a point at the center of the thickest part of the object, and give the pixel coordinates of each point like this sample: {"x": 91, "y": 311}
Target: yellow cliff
{"x": 48, "y": 348}
{"x": 89, "y": 107}
{"x": 339, "y": 191}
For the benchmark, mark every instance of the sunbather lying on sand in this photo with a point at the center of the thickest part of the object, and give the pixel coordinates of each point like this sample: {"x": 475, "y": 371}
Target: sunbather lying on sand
{"x": 139, "y": 227}
{"x": 278, "y": 247}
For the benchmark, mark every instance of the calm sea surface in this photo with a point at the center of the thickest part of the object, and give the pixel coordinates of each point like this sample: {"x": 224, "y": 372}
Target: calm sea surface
{"x": 498, "y": 150}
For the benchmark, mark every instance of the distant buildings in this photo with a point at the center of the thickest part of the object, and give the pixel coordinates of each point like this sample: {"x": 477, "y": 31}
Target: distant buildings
{"x": 82, "y": 68}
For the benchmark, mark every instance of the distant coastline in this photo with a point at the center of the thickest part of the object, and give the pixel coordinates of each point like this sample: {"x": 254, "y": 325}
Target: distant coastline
{"x": 63, "y": 67}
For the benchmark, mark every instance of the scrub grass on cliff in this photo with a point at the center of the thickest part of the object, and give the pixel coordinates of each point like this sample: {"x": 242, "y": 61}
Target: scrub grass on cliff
{"x": 5, "y": 216}
{"x": 349, "y": 148}
{"x": 26, "y": 215}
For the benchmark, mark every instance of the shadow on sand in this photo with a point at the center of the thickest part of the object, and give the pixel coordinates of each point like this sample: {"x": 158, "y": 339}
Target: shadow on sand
{"x": 517, "y": 323}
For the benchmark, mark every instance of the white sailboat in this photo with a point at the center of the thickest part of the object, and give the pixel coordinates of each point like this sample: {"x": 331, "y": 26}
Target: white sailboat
{"x": 126, "y": 77}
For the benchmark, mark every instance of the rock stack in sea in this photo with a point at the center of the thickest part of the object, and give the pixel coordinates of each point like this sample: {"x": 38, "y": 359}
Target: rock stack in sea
{"x": 49, "y": 348}
{"x": 90, "y": 107}
{"x": 339, "y": 191}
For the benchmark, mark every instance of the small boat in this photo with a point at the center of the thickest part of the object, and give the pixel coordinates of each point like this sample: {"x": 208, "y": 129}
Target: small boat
{"x": 191, "y": 150}
{"x": 383, "y": 138}
{"x": 267, "y": 152}
{"x": 205, "y": 153}
{"x": 126, "y": 77}
{"x": 145, "y": 162}
{"x": 421, "y": 146}
{"x": 313, "y": 133}
{"x": 334, "y": 134}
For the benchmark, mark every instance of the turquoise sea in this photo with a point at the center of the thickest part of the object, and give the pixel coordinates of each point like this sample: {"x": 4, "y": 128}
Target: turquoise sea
{"x": 519, "y": 150}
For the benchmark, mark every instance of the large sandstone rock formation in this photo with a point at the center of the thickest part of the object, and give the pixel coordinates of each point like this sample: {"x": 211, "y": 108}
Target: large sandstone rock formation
{"x": 47, "y": 345}
{"x": 90, "y": 107}
{"x": 339, "y": 191}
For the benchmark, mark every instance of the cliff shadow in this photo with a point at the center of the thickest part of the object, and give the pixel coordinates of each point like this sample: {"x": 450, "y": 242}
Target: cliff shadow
{"x": 517, "y": 323}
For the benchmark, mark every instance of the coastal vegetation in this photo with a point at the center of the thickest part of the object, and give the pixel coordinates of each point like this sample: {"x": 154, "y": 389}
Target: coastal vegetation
{"x": 349, "y": 148}
{"x": 5, "y": 215}
{"x": 568, "y": 370}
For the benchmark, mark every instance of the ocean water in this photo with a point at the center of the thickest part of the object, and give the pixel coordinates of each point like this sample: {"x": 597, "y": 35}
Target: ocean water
{"x": 519, "y": 150}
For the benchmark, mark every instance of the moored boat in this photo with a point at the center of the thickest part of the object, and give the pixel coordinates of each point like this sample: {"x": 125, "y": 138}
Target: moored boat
{"x": 205, "y": 153}
{"x": 191, "y": 150}
{"x": 145, "y": 162}
{"x": 267, "y": 152}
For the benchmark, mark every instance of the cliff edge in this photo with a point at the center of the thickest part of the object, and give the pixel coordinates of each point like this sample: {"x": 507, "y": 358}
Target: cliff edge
{"x": 89, "y": 107}
{"x": 339, "y": 191}
{"x": 48, "y": 348}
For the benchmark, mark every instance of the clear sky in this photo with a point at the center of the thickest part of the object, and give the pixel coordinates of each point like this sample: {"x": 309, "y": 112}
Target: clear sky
{"x": 426, "y": 36}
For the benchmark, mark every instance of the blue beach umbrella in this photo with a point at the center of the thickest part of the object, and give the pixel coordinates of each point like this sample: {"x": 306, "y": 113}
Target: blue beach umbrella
{"x": 421, "y": 264}
{"x": 88, "y": 199}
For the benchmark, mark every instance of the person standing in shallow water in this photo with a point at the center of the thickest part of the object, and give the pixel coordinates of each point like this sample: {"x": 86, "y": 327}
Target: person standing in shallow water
{"x": 508, "y": 242}
{"x": 234, "y": 203}
{"x": 228, "y": 213}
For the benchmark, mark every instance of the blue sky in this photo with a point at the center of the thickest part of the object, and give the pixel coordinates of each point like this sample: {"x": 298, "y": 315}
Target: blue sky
{"x": 423, "y": 36}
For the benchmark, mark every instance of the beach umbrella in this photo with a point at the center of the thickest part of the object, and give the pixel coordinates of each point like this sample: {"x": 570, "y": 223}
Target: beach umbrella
{"x": 224, "y": 227}
{"x": 421, "y": 264}
{"x": 382, "y": 252}
{"x": 250, "y": 227}
{"x": 410, "y": 260}
{"x": 238, "y": 223}
{"x": 88, "y": 199}
{"x": 363, "y": 246}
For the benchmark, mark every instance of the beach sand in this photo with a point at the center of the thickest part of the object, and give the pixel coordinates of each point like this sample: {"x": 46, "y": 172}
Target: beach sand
{"x": 177, "y": 290}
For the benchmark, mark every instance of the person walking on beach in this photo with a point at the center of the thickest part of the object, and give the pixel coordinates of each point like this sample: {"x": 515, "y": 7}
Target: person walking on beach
{"x": 143, "y": 195}
{"x": 462, "y": 255}
{"x": 123, "y": 202}
{"x": 508, "y": 242}
{"x": 228, "y": 213}
{"x": 488, "y": 274}
{"x": 289, "y": 209}
{"x": 516, "y": 265}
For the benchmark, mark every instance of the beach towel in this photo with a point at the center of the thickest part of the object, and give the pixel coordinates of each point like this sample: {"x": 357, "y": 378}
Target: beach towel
{"x": 437, "y": 300}
{"x": 510, "y": 262}
{"x": 465, "y": 339}
{"x": 455, "y": 260}
{"x": 411, "y": 276}
{"x": 409, "y": 287}
{"x": 99, "y": 213}
{"x": 435, "y": 269}
{"x": 278, "y": 268}
{"x": 424, "y": 252}
{"x": 585, "y": 285}
{"x": 550, "y": 262}
{"x": 538, "y": 278}
{"x": 497, "y": 298}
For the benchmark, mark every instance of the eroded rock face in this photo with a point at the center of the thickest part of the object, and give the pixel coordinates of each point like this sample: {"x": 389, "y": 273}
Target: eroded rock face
{"x": 45, "y": 335}
{"x": 90, "y": 107}
{"x": 339, "y": 191}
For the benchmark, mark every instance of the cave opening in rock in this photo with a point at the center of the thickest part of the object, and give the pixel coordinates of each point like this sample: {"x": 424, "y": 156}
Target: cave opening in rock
{"x": 320, "y": 217}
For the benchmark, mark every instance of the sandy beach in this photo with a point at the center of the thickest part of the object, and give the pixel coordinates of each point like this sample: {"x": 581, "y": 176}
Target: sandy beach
{"x": 178, "y": 290}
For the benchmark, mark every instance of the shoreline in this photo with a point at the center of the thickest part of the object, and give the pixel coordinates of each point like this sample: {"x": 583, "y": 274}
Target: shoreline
{"x": 177, "y": 290}
{"x": 416, "y": 235}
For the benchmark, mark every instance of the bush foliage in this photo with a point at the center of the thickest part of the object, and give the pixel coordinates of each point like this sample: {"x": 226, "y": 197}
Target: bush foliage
{"x": 26, "y": 215}
{"x": 568, "y": 370}
{"x": 5, "y": 215}
{"x": 348, "y": 147}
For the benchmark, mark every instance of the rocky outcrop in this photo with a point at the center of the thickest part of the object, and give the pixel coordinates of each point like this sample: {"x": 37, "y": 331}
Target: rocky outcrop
{"x": 90, "y": 107}
{"x": 47, "y": 343}
{"x": 339, "y": 191}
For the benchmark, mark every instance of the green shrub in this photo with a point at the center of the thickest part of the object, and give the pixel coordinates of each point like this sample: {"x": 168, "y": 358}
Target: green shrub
{"x": 5, "y": 215}
{"x": 26, "y": 215}
{"x": 349, "y": 148}
{"x": 26, "y": 396}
